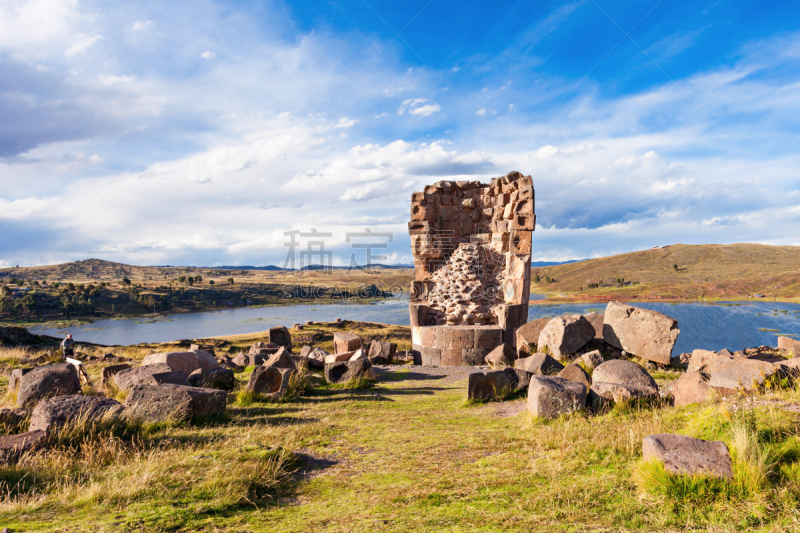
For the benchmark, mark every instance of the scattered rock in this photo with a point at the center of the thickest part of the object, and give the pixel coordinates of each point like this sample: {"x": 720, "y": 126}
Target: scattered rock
{"x": 108, "y": 372}
{"x": 789, "y": 346}
{"x": 216, "y": 378}
{"x": 501, "y": 357}
{"x": 46, "y": 382}
{"x": 281, "y": 359}
{"x": 244, "y": 360}
{"x": 592, "y": 360}
{"x": 687, "y": 456}
{"x": 602, "y": 394}
{"x": 488, "y": 384}
{"x": 575, "y": 373}
{"x": 207, "y": 360}
{"x": 360, "y": 354}
{"x": 316, "y": 358}
{"x": 12, "y": 447}
{"x": 263, "y": 348}
{"x": 338, "y": 357}
{"x": 344, "y": 371}
{"x": 53, "y": 413}
{"x": 281, "y": 336}
{"x": 174, "y": 402}
{"x": 527, "y": 336}
{"x": 730, "y": 373}
{"x": 381, "y": 352}
{"x": 596, "y": 320}
{"x": 346, "y": 341}
{"x": 624, "y": 373}
{"x": 186, "y": 362}
{"x": 691, "y": 387}
{"x": 269, "y": 381}
{"x": 565, "y": 335}
{"x": 539, "y": 364}
{"x": 642, "y": 332}
{"x": 550, "y": 397}
{"x": 157, "y": 374}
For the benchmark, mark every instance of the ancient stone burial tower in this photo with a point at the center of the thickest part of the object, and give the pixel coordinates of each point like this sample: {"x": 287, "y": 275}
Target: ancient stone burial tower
{"x": 472, "y": 253}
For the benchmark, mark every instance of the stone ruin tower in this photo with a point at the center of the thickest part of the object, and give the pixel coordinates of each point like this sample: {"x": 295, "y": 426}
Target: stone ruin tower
{"x": 472, "y": 254}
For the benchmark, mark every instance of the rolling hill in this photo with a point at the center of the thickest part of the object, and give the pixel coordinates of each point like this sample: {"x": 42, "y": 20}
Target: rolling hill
{"x": 678, "y": 271}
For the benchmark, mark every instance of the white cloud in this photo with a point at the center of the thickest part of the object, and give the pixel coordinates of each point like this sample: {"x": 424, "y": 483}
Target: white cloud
{"x": 480, "y": 112}
{"x": 425, "y": 110}
{"x": 208, "y": 54}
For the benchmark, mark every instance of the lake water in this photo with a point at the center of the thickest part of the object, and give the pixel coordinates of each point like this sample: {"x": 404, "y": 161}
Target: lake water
{"x": 708, "y": 326}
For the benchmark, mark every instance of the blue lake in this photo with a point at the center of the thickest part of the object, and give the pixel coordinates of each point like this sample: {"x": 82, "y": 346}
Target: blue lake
{"x": 709, "y": 326}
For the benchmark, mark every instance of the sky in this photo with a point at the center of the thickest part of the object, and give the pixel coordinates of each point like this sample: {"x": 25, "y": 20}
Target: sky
{"x": 216, "y": 133}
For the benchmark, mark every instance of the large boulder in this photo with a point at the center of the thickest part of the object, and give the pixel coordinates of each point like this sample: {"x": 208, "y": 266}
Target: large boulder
{"x": 527, "y": 336}
{"x": 381, "y": 352}
{"x": 344, "y": 371}
{"x": 108, "y": 372}
{"x": 186, "y": 362}
{"x": 346, "y": 341}
{"x": 574, "y": 372}
{"x": 642, "y": 332}
{"x": 316, "y": 358}
{"x": 565, "y": 335}
{"x": 269, "y": 381}
{"x": 216, "y": 378}
{"x": 539, "y": 364}
{"x": 729, "y": 373}
{"x": 149, "y": 375}
{"x": 487, "y": 384}
{"x": 281, "y": 336}
{"x": 207, "y": 360}
{"x": 789, "y": 346}
{"x": 550, "y": 397}
{"x": 56, "y": 412}
{"x": 174, "y": 402}
{"x": 46, "y": 382}
{"x": 687, "y": 456}
{"x": 281, "y": 359}
{"x": 624, "y": 373}
{"x": 12, "y": 447}
{"x": 691, "y": 387}
{"x": 501, "y": 357}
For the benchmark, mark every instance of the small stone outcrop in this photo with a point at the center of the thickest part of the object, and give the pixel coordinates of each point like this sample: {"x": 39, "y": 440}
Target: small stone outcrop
{"x": 687, "y": 456}
{"x": 596, "y": 320}
{"x": 174, "y": 402}
{"x": 346, "y": 341}
{"x": 46, "y": 382}
{"x": 488, "y": 384}
{"x": 157, "y": 374}
{"x": 344, "y": 371}
{"x": 619, "y": 380}
{"x": 501, "y": 357}
{"x": 381, "y": 352}
{"x": 245, "y": 359}
{"x": 269, "y": 381}
{"x": 691, "y": 387}
{"x": 539, "y": 364}
{"x": 641, "y": 332}
{"x": 216, "y": 378}
{"x": 565, "y": 335}
{"x": 551, "y": 397}
{"x": 54, "y": 413}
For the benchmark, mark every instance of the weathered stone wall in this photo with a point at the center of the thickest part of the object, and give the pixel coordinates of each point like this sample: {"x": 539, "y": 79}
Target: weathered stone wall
{"x": 472, "y": 243}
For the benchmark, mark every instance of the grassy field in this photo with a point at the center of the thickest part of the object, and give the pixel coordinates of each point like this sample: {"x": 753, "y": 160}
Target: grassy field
{"x": 94, "y": 289}
{"x": 683, "y": 272}
{"x": 409, "y": 454}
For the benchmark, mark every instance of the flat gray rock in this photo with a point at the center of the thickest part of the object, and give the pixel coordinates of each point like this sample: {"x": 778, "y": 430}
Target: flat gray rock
{"x": 691, "y": 387}
{"x": 56, "y": 412}
{"x": 155, "y": 374}
{"x": 685, "y": 455}
{"x": 174, "y": 402}
{"x": 642, "y": 332}
{"x": 46, "y": 382}
{"x": 624, "y": 373}
{"x": 565, "y": 335}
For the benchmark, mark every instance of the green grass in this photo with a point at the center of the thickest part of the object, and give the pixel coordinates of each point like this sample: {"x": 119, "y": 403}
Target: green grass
{"x": 405, "y": 455}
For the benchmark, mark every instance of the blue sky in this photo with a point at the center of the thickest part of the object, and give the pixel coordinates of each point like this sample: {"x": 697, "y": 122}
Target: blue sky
{"x": 200, "y": 132}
